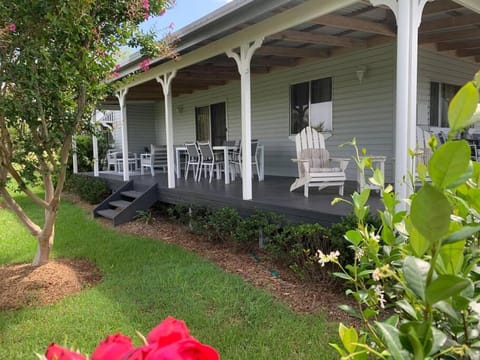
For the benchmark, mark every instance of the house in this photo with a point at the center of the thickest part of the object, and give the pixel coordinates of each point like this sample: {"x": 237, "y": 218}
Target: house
{"x": 263, "y": 69}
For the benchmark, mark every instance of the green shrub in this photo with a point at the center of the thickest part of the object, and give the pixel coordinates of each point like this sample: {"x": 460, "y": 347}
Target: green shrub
{"x": 266, "y": 224}
{"x": 223, "y": 224}
{"x": 91, "y": 189}
{"x": 295, "y": 246}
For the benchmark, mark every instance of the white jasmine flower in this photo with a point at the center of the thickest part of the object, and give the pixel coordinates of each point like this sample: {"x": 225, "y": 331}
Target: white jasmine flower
{"x": 381, "y": 272}
{"x": 378, "y": 289}
{"x": 323, "y": 258}
{"x": 359, "y": 253}
{"x": 376, "y": 275}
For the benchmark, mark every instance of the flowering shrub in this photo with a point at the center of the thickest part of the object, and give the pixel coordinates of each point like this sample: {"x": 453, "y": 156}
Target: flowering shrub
{"x": 170, "y": 340}
{"x": 416, "y": 279}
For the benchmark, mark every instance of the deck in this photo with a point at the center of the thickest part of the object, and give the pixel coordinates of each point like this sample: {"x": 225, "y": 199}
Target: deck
{"x": 272, "y": 194}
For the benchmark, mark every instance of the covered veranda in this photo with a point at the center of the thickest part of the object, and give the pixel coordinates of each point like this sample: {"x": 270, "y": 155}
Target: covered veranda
{"x": 289, "y": 33}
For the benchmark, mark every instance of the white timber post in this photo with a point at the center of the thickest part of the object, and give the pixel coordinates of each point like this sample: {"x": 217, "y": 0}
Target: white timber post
{"x": 74, "y": 156}
{"x": 243, "y": 59}
{"x": 166, "y": 81}
{"x": 95, "y": 155}
{"x": 121, "y": 95}
{"x": 409, "y": 16}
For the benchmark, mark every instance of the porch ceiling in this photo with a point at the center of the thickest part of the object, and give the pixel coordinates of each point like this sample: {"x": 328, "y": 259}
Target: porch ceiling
{"x": 446, "y": 27}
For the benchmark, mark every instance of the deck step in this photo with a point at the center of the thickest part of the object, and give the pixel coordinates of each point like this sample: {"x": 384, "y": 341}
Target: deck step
{"x": 132, "y": 194}
{"x": 108, "y": 213}
{"x": 122, "y": 204}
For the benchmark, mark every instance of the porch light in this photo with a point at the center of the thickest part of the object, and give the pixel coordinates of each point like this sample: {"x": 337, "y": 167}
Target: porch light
{"x": 360, "y": 72}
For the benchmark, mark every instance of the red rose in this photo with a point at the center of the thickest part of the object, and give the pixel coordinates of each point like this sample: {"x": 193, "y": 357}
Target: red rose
{"x": 56, "y": 352}
{"x": 186, "y": 349}
{"x": 142, "y": 352}
{"x": 168, "y": 331}
{"x": 113, "y": 347}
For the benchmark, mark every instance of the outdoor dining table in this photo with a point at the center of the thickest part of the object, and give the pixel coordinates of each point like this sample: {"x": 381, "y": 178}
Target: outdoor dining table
{"x": 183, "y": 149}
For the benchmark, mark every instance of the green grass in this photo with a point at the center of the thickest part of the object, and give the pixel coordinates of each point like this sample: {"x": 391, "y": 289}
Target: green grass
{"x": 145, "y": 281}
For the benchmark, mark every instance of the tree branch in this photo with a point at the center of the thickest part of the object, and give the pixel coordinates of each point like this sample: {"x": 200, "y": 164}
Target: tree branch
{"x": 34, "y": 229}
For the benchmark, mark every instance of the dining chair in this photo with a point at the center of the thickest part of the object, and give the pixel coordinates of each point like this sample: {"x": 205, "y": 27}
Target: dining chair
{"x": 236, "y": 160}
{"x": 207, "y": 160}
{"x": 193, "y": 160}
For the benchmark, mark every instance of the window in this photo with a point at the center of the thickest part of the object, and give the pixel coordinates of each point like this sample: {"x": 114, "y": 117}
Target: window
{"x": 440, "y": 96}
{"x": 311, "y": 105}
{"x": 210, "y": 123}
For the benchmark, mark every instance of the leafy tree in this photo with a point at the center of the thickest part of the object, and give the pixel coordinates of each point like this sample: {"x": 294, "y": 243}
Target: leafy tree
{"x": 55, "y": 56}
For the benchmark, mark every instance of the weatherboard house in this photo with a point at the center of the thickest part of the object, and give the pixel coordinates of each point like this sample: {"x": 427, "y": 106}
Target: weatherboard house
{"x": 265, "y": 69}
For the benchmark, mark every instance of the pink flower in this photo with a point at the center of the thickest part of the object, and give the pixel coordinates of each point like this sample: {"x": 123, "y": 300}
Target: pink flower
{"x": 186, "y": 349}
{"x": 12, "y": 27}
{"x": 142, "y": 352}
{"x": 113, "y": 347}
{"x": 145, "y": 64}
{"x": 117, "y": 67}
{"x": 168, "y": 331}
{"x": 171, "y": 26}
{"x": 57, "y": 352}
{"x": 162, "y": 12}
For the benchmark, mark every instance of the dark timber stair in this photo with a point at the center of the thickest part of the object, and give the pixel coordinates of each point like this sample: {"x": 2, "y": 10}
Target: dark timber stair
{"x": 125, "y": 203}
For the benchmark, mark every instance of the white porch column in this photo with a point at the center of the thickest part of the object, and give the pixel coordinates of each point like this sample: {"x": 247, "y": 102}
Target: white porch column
{"x": 243, "y": 63}
{"x": 409, "y": 16}
{"x": 95, "y": 155}
{"x": 166, "y": 81}
{"x": 121, "y": 95}
{"x": 74, "y": 156}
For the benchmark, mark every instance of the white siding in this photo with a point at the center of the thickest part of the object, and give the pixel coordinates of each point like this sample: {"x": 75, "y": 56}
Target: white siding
{"x": 141, "y": 126}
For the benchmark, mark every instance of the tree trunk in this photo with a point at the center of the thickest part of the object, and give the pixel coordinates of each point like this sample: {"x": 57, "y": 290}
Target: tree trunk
{"x": 45, "y": 244}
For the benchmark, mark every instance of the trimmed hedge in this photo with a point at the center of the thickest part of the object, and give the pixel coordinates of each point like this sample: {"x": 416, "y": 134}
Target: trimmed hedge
{"x": 91, "y": 189}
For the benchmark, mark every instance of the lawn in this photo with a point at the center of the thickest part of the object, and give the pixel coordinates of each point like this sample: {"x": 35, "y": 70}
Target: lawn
{"x": 145, "y": 281}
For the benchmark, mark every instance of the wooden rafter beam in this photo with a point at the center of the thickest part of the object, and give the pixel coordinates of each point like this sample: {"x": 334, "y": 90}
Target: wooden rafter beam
{"x": 292, "y": 52}
{"x": 440, "y": 6}
{"x": 187, "y": 75}
{"x": 449, "y": 36}
{"x": 456, "y": 45}
{"x": 311, "y": 38}
{"x": 259, "y": 61}
{"x": 225, "y": 69}
{"x": 450, "y": 23}
{"x": 351, "y": 23}
{"x": 468, "y": 52}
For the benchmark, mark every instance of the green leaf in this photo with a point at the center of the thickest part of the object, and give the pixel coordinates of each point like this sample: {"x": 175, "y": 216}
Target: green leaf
{"x": 391, "y": 336}
{"x": 408, "y": 308}
{"x": 354, "y": 237}
{"x": 451, "y": 257}
{"x": 415, "y": 272}
{"x": 349, "y": 336}
{"x": 418, "y": 243}
{"x": 462, "y": 107}
{"x": 449, "y": 165}
{"x": 430, "y": 213}
{"x": 447, "y": 309}
{"x": 342, "y": 276}
{"x": 439, "y": 340}
{"x": 350, "y": 310}
{"x": 462, "y": 234}
{"x": 444, "y": 287}
{"x": 378, "y": 178}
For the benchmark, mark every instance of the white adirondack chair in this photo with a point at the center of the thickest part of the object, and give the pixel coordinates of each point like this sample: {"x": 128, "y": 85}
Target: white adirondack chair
{"x": 315, "y": 165}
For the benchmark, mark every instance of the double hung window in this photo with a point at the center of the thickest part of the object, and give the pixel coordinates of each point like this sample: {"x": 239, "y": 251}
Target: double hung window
{"x": 311, "y": 105}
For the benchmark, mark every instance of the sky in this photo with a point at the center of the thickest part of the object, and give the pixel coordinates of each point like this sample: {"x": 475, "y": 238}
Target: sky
{"x": 182, "y": 13}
